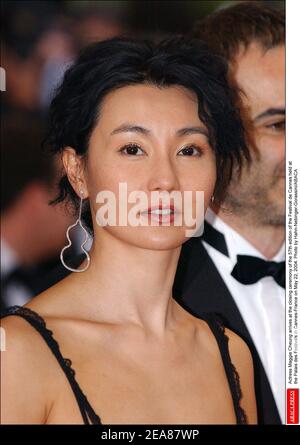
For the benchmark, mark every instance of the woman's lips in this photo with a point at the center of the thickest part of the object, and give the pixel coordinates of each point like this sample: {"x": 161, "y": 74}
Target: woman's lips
{"x": 160, "y": 214}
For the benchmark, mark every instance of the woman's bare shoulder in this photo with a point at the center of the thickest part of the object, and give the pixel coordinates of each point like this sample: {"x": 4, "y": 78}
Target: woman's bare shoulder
{"x": 26, "y": 369}
{"x": 52, "y": 301}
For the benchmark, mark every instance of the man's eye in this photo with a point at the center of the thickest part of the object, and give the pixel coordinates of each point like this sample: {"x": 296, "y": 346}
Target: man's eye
{"x": 277, "y": 126}
{"x": 131, "y": 149}
{"x": 191, "y": 150}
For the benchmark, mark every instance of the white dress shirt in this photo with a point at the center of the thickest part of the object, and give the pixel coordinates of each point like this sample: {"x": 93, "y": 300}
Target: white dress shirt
{"x": 261, "y": 305}
{"x": 16, "y": 293}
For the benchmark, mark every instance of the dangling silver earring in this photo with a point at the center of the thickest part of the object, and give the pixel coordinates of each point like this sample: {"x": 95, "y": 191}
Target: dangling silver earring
{"x": 78, "y": 221}
{"x": 212, "y": 198}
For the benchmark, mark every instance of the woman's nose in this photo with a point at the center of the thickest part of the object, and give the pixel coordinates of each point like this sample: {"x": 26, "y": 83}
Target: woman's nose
{"x": 163, "y": 176}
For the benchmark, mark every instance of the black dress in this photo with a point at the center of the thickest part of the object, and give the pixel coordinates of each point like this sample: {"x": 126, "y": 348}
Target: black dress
{"x": 88, "y": 414}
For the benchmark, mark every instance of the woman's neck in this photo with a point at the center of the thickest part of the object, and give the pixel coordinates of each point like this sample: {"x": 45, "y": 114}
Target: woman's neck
{"x": 126, "y": 284}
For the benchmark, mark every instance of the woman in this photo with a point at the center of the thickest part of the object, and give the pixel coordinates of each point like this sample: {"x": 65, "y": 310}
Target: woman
{"x": 158, "y": 118}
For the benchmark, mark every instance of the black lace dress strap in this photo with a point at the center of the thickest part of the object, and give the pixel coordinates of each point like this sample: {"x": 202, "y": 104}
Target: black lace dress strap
{"x": 216, "y": 324}
{"x": 87, "y": 412}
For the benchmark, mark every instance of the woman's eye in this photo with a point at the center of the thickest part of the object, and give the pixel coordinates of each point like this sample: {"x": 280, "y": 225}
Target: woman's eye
{"x": 277, "y": 126}
{"x": 191, "y": 150}
{"x": 131, "y": 149}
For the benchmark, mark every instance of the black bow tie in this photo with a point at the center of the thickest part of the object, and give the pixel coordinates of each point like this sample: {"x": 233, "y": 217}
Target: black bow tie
{"x": 248, "y": 269}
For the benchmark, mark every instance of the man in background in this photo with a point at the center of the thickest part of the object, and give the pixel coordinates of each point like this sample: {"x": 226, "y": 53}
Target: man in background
{"x": 32, "y": 232}
{"x": 237, "y": 267}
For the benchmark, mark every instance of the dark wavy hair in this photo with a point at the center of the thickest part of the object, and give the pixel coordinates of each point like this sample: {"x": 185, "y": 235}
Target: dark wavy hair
{"x": 228, "y": 30}
{"x": 118, "y": 62}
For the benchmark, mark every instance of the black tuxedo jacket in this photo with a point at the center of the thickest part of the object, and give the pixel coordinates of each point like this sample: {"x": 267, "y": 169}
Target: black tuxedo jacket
{"x": 199, "y": 287}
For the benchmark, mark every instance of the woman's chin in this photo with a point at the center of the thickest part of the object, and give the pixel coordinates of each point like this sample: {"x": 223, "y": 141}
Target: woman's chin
{"x": 152, "y": 238}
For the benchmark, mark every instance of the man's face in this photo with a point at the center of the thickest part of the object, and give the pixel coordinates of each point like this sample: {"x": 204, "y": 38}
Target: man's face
{"x": 260, "y": 192}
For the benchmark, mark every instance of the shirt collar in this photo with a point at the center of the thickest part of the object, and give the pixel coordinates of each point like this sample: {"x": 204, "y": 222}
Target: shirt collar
{"x": 236, "y": 243}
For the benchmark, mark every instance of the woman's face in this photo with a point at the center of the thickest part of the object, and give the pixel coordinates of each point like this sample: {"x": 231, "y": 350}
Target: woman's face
{"x": 137, "y": 141}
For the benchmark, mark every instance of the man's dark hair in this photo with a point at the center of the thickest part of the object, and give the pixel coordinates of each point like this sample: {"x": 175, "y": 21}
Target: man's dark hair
{"x": 229, "y": 29}
{"x": 118, "y": 62}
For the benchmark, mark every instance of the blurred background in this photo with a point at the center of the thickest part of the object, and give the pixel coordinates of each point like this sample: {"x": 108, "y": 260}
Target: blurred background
{"x": 39, "y": 40}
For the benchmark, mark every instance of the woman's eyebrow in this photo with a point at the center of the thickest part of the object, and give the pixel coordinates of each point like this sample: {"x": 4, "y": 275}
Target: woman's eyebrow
{"x": 192, "y": 130}
{"x": 270, "y": 112}
{"x": 145, "y": 131}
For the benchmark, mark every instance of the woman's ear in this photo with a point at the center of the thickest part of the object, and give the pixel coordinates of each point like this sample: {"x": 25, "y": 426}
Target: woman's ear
{"x": 73, "y": 164}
